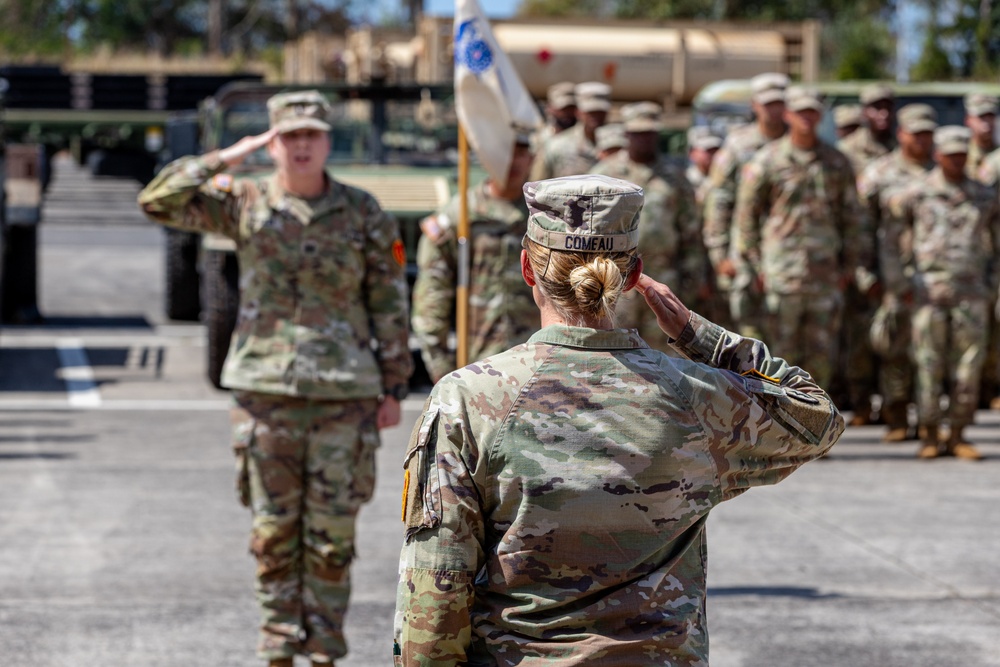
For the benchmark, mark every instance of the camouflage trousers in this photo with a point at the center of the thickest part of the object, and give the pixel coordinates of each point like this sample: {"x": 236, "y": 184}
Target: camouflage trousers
{"x": 304, "y": 468}
{"x": 803, "y": 329}
{"x": 860, "y": 367}
{"x": 896, "y": 370}
{"x": 949, "y": 344}
{"x": 989, "y": 384}
{"x": 748, "y": 312}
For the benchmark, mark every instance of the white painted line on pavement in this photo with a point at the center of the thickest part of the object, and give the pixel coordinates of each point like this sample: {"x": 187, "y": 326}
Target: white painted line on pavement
{"x": 75, "y": 370}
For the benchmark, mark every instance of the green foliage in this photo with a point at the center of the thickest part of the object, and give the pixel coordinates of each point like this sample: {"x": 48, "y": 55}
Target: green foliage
{"x": 858, "y": 48}
{"x": 934, "y": 64}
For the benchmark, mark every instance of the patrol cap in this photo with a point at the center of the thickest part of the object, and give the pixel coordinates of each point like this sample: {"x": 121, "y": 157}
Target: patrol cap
{"x": 642, "y": 117}
{"x": 593, "y": 96}
{"x": 847, "y": 114}
{"x": 586, "y": 213}
{"x": 980, "y": 104}
{"x": 610, "y": 136}
{"x": 702, "y": 138}
{"x": 951, "y": 139}
{"x": 915, "y": 118}
{"x": 769, "y": 87}
{"x": 800, "y": 98}
{"x": 876, "y": 92}
{"x": 560, "y": 95}
{"x": 299, "y": 110}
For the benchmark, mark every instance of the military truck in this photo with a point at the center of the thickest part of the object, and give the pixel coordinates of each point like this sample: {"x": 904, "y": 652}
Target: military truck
{"x": 396, "y": 141}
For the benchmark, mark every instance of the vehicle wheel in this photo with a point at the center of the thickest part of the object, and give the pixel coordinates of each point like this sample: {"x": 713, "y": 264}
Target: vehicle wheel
{"x": 221, "y": 300}
{"x": 181, "y": 298}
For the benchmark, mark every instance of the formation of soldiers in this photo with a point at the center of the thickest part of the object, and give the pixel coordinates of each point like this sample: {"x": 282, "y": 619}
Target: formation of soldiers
{"x": 869, "y": 263}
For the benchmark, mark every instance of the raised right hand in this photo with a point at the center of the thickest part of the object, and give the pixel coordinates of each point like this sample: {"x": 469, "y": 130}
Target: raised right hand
{"x": 671, "y": 315}
{"x": 235, "y": 154}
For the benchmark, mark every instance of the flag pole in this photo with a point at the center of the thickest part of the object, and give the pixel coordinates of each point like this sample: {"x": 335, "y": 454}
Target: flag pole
{"x": 462, "y": 293}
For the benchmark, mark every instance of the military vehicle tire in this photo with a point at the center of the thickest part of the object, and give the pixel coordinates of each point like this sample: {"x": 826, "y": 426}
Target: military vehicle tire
{"x": 182, "y": 300}
{"x": 221, "y": 299}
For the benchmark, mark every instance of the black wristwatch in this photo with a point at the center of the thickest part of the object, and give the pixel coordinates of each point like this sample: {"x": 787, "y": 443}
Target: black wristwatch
{"x": 398, "y": 391}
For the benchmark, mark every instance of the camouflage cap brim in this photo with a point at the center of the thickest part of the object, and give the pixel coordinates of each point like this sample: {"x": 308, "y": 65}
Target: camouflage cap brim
{"x": 292, "y": 124}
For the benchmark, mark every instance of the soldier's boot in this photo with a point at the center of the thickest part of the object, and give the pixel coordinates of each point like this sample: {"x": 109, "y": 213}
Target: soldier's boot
{"x": 930, "y": 442}
{"x": 959, "y": 448}
{"x": 995, "y": 403}
{"x": 862, "y": 414}
{"x": 896, "y": 420}
{"x": 281, "y": 662}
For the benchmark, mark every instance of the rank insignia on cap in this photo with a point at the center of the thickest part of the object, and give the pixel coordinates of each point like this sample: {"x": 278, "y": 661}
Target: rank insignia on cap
{"x": 399, "y": 252}
{"x": 223, "y": 182}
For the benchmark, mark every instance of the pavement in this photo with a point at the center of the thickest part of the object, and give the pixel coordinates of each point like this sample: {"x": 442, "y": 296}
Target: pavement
{"x": 121, "y": 541}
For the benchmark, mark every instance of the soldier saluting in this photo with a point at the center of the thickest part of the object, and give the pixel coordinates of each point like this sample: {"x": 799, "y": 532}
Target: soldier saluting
{"x": 318, "y": 362}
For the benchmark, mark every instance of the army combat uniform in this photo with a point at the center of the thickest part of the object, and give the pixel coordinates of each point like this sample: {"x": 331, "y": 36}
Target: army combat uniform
{"x": 862, "y": 148}
{"x": 502, "y": 312}
{"x": 670, "y": 240}
{"x": 801, "y": 229}
{"x": 320, "y": 282}
{"x": 556, "y": 494}
{"x": 951, "y": 275}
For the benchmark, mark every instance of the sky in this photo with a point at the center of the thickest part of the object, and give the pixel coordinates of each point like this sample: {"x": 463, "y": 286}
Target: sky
{"x": 493, "y": 8}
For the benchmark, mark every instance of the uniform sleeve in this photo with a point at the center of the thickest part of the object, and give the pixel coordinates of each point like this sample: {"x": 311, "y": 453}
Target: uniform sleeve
{"x": 192, "y": 194}
{"x": 719, "y": 205}
{"x": 751, "y": 207}
{"x": 898, "y": 205}
{"x": 385, "y": 293}
{"x": 858, "y": 233}
{"x": 434, "y": 296}
{"x": 765, "y": 417}
{"x": 444, "y": 544}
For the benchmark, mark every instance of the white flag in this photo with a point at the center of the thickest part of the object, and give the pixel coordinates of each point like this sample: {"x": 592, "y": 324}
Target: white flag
{"x": 490, "y": 99}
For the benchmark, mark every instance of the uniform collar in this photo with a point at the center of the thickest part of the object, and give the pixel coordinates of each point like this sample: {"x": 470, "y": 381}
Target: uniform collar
{"x": 332, "y": 200}
{"x": 600, "y": 339}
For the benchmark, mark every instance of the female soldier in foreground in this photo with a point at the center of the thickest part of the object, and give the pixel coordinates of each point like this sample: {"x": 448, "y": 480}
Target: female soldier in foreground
{"x": 556, "y": 494}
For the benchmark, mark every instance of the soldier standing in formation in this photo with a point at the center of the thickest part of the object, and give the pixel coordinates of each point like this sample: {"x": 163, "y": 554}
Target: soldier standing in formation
{"x": 874, "y": 139}
{"x": 768, "y": 103}
{"x": 847, "y": 118}
{"x": 980, "y": 118}
{"x": 560, "y": 112}
{"x": 801, "y": 236}
{"x": 908, "y": 163}
{"x": 951, "y": 276}
{"x": 521, "y": 465}
{"x": 611, "y": 139}
{"x": 501, "y": 311}
{"x": 669, "y": 228}
{"x": 702, "y": 148}
{"x": 321, "y": 280}
{"x": 574, "y": 151}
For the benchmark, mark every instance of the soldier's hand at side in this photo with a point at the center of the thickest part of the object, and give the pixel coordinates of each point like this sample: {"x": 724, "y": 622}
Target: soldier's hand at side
{"x": 671, "y": 315}
{"x": 727, "y": 268}
{"x": 388, "y": 414}
{"x": 235, "y": 154}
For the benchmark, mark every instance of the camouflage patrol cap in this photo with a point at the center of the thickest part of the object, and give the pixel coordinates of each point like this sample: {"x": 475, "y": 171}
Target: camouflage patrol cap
{"x": 586, "y": 213}
{"x": 915, "y": 118}
{"x": 847, "y": 114}
{"x": 769, "y": 87}
{"x": 593, "y": 96}
{"x": 800, "y": 98}
{"x": 951, "y": 139}
{"x": 980, "y": 104}
{"x": 876, "y": 92}
{"x": 306, "y": 109}
{"x": 610, "y": 136}
{"x": 560, "y": 95}
{"x": 642, "y": 117}
{"x": 702, "y": 138}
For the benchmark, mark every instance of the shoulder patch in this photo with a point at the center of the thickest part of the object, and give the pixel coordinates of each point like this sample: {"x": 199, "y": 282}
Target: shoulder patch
{"x": 399, "y": 252}
{"x": 223, "y": 182}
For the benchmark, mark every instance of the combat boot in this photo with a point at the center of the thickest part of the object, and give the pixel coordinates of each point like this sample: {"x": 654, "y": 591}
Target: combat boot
{"x": 929, "y": 442}
{"x": 995, "y": 403}
{"x": 896, "y": 420}
{"x": 281, "y": 662}
{"x": 959, "y": 448}
{"x": 862, "y": 414}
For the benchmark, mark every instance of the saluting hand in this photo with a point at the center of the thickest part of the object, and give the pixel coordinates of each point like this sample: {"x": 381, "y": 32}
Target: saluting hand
{"x": 235, "y": 154}
{"x": 671, "y": 315}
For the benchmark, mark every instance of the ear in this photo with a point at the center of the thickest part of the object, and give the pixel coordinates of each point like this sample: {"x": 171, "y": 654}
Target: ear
{"x": 526, "y": 271}
{"x": 633, "y": 277}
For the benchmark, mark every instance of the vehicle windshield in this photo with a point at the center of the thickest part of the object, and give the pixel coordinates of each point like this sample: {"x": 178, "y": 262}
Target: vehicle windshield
{"x": 414, "y": 133}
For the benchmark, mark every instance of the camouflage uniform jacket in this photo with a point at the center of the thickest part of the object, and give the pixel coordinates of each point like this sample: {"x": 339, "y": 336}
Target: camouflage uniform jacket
{"x": 502, "y": 312}
{"x": 877, "y": 182}
{"x": 319, "y": 280}
{"x": 557, "y": 494}
{"x": 670, "y": 240}
{"x": 700, "y": 183}
{"x": 955, "y": 238}
{"x": 989, "y": 170}
{"x": 862, "y": 148}
{"x": 799, "y": 224}
{"x": 976, "y": 159}
{"x": 740, "y": 146}
{"x": 565, "y": 154}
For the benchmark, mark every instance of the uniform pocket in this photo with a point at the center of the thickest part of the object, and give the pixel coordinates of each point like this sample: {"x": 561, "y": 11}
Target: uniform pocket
{"x": 421, "y": 491}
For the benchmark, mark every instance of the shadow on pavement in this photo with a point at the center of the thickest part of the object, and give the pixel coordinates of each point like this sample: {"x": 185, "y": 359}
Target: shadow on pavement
{"x": 773, "y": 591}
